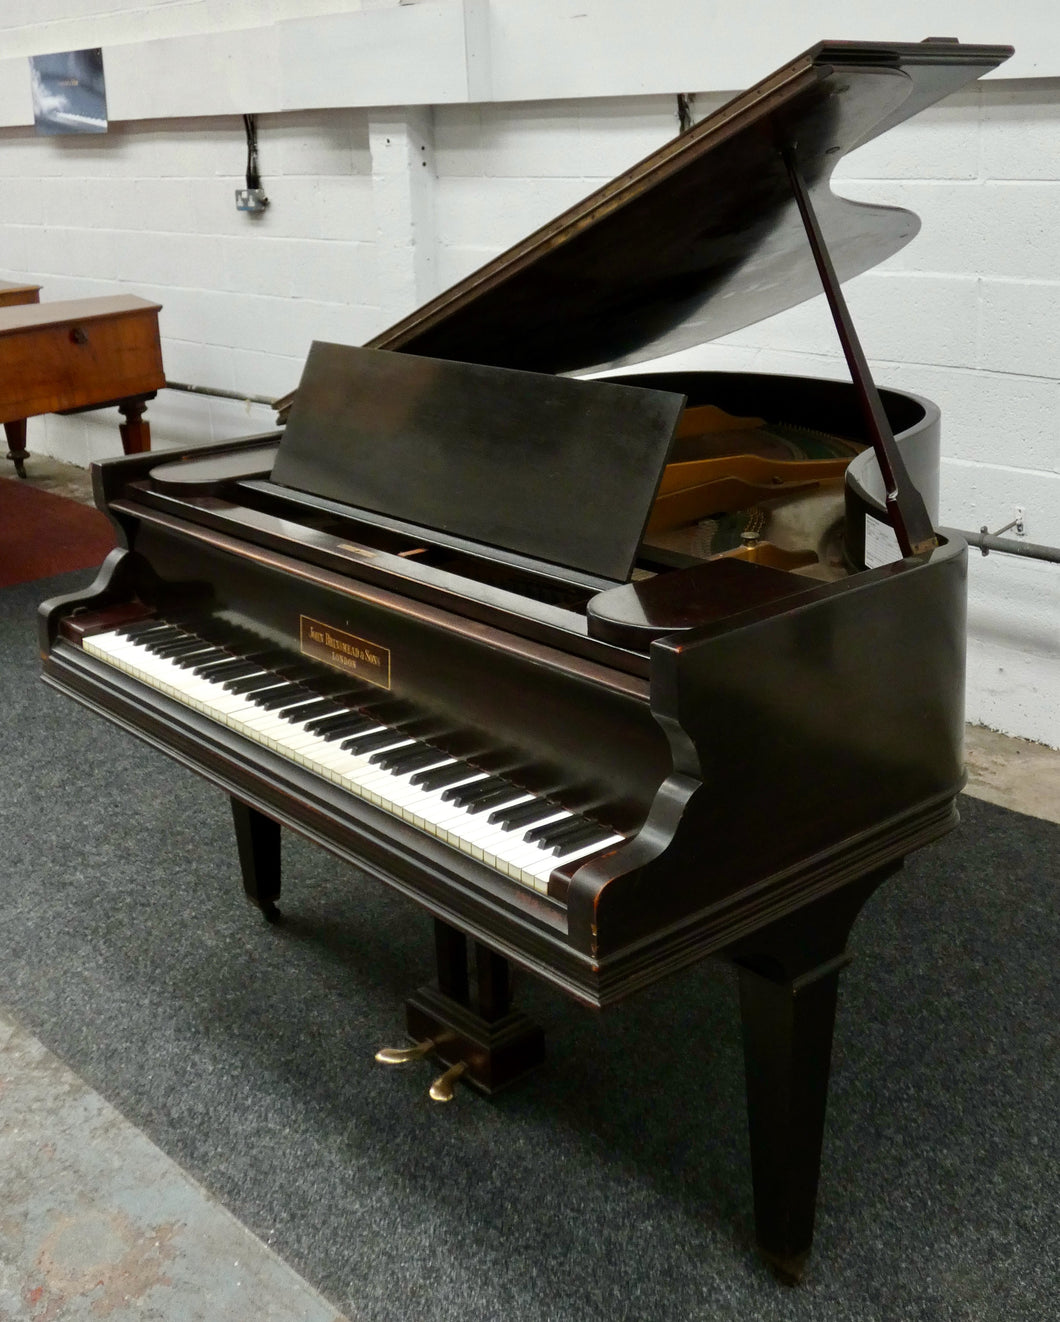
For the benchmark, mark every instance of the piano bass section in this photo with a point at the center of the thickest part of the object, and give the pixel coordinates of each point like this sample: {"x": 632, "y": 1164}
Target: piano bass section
{"x": 594, "y": 671}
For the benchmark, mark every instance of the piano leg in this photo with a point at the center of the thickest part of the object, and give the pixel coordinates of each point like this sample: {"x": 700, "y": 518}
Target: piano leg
{"x": 16, "y": 445}
{"x": 258, "y": 841}
{"x": 495, "y": 1043}
{"x": 450, "y": 954}
{"x": 789, "y": 976}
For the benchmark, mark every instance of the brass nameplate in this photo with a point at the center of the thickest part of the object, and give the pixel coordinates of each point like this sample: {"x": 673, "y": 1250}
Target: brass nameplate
{"x": 345, "y": 651}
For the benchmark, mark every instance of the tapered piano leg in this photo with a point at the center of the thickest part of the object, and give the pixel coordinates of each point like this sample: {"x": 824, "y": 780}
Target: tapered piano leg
{"x": 478, "y": 1029}
{"x": 789, "y": 977}
{"x": 258, "y": 841}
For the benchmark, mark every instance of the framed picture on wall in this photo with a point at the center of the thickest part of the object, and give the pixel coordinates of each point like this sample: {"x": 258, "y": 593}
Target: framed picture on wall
{"x": 69, "y": 95}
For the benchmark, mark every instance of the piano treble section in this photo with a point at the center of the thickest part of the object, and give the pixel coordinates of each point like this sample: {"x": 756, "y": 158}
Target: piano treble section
{"x": 364, "y": 743}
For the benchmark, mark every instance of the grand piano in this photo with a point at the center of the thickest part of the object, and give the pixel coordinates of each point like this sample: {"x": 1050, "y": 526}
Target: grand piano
{"x": 606, "y": 675}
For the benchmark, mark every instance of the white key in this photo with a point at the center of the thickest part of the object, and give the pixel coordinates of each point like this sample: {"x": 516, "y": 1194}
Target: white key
{"x": 501, "y": 848}
{"x": 546, "y": 868}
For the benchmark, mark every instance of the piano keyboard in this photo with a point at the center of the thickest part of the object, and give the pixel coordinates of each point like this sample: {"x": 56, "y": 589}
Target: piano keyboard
{"x": 332, "y": 724}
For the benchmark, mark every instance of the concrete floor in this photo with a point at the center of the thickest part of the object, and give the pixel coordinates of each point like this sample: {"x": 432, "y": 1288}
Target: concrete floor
{"x": 95, "y": 1221}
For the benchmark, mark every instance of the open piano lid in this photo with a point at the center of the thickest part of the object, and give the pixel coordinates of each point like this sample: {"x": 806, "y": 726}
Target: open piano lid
{"x": 699, "y": 239}
{"x": 702, "y": 237}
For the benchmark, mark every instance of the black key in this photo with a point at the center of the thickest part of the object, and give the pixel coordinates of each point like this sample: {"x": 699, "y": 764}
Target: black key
{"x": 592, "y": 834}
{"x": 281, "y": 697}
{"x": 495, "y": 798}
{"x": 296, "y": 672}
{"x": 403, "y": 760}
{"x": 556, "y": 832}
{"x": 160, "y": 639}
{"x": 253, "y": 683}
{"x": 140, "y": 627}
{"x": 342, "y": 700}
{"x": 304, "y": 710}
{"x": 168, "y": 628}
{"x": 441, "y": 776}
{"x": 340, "y": 729}
{"x": 200, "y": 654}
{"x": 368, "y": 743}
{"x": 265, "y": 660}
{"x": 231, "y": 670}
{"x": 523, "y": 814}
{"x": 180, "y": 647}
{"x": 214, "y": 664}
{"x": 462, "y": 795}
{"x": 217, "y": 671}
{"x": 348, "y": 720}
{"x": 540, "y": 834}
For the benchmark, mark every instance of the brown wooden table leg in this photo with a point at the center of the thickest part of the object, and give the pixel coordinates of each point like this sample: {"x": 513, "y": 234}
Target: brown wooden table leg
{"x": 16, "y": 444}
{"x": 135, "y": 430}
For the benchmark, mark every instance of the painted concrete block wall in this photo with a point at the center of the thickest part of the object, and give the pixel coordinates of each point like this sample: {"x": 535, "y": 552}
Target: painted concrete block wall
{"x": 374, "y": 210}
{"x": 149, "y": 208}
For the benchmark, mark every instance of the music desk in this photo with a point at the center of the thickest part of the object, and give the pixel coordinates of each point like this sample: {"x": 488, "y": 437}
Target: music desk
{"x": 73, "y": 356}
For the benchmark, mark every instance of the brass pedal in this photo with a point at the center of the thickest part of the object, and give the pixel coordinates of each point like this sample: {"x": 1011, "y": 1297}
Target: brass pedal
{"x": 403, "y": 1055}
{"x": 443, "y": 1088}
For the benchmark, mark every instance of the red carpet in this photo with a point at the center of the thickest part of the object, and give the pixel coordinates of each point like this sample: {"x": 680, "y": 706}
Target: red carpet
{"x": 43, "y": 534}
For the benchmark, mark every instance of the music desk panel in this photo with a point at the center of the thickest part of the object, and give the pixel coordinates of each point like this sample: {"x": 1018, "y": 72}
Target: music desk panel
{"x": 70, "y": 357}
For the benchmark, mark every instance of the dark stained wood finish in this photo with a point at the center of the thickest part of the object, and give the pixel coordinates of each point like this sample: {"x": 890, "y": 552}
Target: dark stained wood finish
{"x": 635, "y": 614}
{"x": 789, "y": 980}
{"x": 66, "y": 357}
{"x": 495, "y": 1044}
{"x": 782, "y": 716}
{"x": 905, "y": 505}
{"x": 768, "y": 766}
{"x": 699, "y": 238}
{"x": 472, "y": 450}
{"x": 450, "y": 952}
{"x": 258, "y": 842}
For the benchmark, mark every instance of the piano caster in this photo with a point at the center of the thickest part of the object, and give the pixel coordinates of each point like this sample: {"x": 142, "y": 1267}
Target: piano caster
{"x": 270, "y": 912}
{"x": 403, "y": 1055}
{"x": 443, "y": 1089}
{"x": 787, "y": 1270}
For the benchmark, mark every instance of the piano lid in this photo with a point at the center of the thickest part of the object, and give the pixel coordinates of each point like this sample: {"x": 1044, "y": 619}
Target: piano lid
{"x": 702, "y": 237}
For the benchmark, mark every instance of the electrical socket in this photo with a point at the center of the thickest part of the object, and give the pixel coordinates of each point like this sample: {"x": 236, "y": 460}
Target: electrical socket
{"x": 251, "y": 199}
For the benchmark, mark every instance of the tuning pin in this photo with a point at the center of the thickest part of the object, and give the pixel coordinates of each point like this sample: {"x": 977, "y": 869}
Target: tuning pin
{"x": 442, "y": 1089}
{"x": 402, "y": 1055}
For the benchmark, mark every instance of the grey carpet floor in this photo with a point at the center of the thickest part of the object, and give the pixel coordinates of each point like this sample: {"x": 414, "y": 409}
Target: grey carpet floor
{"x": 613, "y": 1184}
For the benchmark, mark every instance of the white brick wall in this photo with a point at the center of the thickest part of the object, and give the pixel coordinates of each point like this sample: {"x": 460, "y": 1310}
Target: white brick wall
{"x": 968, "y": 314}
{"x": 150, "y": 209}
